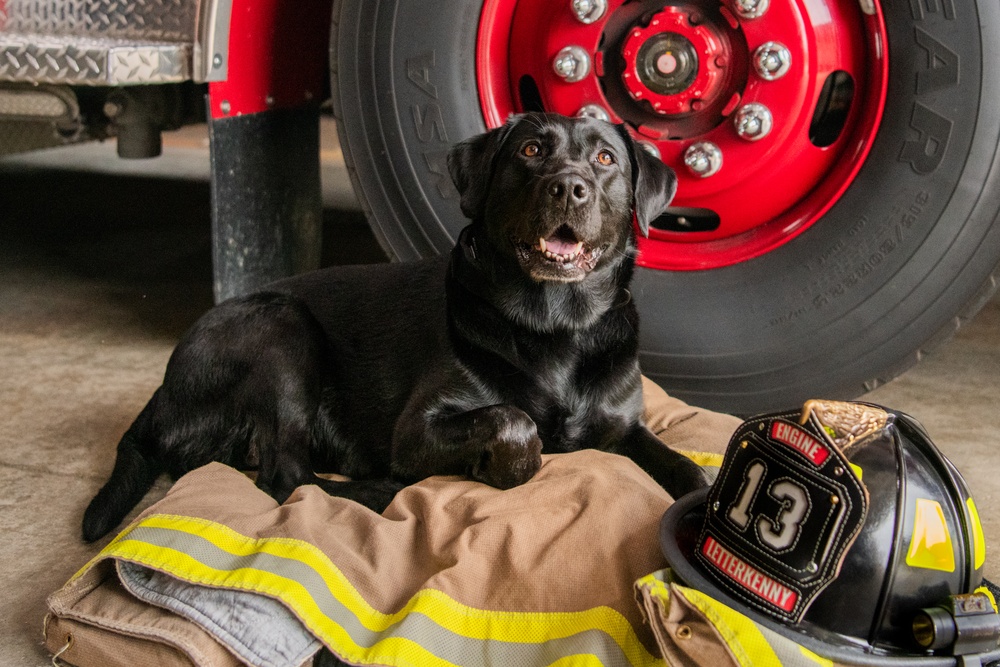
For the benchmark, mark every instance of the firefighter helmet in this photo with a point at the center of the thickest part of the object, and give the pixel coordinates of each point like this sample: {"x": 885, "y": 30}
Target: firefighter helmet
{"x": 843, "y": 527}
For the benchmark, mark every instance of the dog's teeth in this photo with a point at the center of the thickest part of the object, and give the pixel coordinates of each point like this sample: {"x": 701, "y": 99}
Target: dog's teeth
{"x": 541, "y": 244}
{"x": 577, "y": 248}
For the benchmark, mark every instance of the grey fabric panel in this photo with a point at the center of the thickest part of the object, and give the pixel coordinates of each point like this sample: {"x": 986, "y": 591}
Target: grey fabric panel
{"x": 259, "y": 630}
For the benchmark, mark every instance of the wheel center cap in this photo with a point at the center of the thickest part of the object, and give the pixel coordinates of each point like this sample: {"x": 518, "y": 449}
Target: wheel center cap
{"x": 674, "y": 64}
{"x": 667, "y": 63}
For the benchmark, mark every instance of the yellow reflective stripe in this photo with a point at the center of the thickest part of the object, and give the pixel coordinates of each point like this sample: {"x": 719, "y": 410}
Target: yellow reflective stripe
{"x": 819, "y": 660}
{"x": 515, "y": 627}
{"x": 931, "y": 546}
{"x": 978, "y": 539}
{"x": 655, "y": 584}
{"x": 238, "y": 544}
{"x": 583, "y": 660}
{"x": 742, "y": 635}
{"x": 988, "y": 593}
{"x": 705, "y": 459}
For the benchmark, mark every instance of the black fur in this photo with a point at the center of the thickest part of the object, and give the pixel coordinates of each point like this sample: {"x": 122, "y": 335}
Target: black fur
{"x": 472, "y": 365}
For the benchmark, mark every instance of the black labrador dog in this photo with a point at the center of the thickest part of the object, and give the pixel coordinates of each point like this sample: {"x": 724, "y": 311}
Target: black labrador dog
{"x": 523, "y": 341}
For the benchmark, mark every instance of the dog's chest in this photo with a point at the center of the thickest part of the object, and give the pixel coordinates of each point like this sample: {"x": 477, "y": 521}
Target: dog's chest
{"x": 577, "y": 396}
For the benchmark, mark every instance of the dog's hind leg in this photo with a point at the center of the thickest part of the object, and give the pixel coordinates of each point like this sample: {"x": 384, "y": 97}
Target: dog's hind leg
{"x": 283, "y": 431}
{"x": 136, "y": 468}
{"x": 286, "y": 464}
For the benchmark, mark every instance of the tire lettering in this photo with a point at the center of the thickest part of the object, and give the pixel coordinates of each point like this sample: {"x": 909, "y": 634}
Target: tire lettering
{"x": 427, "y": 120}
{"x": 437, "y": 164}
{"x": 942, "y": 64}
{"x": 946, "y": 7}
{"x": 926, "y": 152}
{"x": 418, "y": 71}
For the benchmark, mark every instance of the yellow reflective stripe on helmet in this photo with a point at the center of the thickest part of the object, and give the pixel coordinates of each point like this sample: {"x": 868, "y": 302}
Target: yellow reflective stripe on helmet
{"x": 304, "y": 578}
{"x": 931, "y": 545}
{"x": 988, "y": 593}
{"x": 978, "y": 539}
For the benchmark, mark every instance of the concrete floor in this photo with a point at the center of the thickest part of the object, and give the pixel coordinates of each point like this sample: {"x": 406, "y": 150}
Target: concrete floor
{"x": 100, "y": 274}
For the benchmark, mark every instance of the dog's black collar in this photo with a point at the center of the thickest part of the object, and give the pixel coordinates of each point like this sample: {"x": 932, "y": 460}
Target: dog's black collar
{"x": 464, "y": 267}
{"x": 468, "y": 245}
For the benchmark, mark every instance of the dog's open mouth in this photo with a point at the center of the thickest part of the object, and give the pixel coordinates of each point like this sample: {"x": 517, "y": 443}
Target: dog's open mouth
{"x": 558, "y": 256}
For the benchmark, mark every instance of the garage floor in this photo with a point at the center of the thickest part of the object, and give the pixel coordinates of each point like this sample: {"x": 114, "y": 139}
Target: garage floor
{"x": 101, "y": 272}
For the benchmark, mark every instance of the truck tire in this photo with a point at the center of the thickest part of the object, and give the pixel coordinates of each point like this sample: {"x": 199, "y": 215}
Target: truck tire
{"x": 823, "y": 259}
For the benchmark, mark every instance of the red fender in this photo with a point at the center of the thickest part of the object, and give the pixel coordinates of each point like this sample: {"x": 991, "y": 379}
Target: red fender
{"x": 278, "y": 57}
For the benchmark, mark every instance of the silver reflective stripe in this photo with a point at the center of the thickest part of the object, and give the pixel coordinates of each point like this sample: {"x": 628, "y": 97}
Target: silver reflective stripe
{"x": 415, "y": 626}
{"x": 789, "y": 652}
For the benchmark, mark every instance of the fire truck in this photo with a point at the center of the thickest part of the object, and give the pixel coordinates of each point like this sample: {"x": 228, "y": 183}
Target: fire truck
{"x": 837, "y": 159}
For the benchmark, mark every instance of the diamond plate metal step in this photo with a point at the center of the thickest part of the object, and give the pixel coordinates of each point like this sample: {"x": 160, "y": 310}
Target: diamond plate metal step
{"x": 92, "y": 61}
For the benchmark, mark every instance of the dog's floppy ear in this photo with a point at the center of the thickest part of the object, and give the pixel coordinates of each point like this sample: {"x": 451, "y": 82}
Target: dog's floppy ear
{"x": 653, "y": 183}
{"x": 470, "y": 164}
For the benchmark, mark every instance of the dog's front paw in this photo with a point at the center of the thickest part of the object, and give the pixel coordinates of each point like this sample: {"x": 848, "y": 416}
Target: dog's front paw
{"x": 513, "y": 454}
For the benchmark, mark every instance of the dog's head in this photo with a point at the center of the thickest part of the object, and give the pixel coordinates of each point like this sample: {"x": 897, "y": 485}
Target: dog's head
{"x": 557, "y": 193}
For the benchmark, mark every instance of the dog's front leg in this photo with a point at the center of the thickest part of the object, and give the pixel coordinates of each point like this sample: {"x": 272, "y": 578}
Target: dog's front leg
{"x": 675, "y": 472}
{"x": 497, "y": 444}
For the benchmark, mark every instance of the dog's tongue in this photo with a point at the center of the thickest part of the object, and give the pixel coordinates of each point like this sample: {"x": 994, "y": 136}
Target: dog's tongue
{"x": 559, "y": 246}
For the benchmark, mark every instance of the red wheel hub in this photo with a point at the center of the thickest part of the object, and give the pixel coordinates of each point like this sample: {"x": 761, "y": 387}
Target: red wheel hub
{"x": 784, "y": 97}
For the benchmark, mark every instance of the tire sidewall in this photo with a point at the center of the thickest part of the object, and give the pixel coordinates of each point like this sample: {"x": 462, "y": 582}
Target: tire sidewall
{"x": 398, "y": 124}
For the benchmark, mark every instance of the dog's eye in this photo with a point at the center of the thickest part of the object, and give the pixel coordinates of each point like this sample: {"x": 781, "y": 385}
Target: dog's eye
{"x": 606, "y": 158}
{"x": 531, "y": 149}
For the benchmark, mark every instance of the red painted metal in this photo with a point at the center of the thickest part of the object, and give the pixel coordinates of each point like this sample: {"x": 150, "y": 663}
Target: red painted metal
{"x": 277, "y": 57}
{"x": 767, "y": 191}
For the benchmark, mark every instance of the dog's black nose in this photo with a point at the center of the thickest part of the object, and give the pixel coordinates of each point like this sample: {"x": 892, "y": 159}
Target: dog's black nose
{"x": 568, "y": 189}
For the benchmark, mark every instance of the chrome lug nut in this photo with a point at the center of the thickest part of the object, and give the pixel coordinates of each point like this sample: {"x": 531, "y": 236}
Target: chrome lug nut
{"x": 703, "y": 158}
{"x": 572, "y": 63}
{"x": 650, "y": 148}
{"x": 772, "y": 60}
{"x": 594, "y": 111}
{"x": 588, "y": 11}
{"x": 751, "y": 9}
{"x": 753, "y": 121}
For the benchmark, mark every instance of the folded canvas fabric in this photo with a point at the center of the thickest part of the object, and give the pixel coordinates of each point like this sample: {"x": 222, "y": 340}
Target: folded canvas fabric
{"x": 454, "y": 572}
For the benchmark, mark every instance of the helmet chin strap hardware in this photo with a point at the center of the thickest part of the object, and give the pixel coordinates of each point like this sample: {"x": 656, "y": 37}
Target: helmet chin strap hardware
{"x": 964, "y": 625}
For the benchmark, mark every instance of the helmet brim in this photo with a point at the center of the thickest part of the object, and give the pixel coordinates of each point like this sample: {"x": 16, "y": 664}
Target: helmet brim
{"x": 679, "y": 531}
